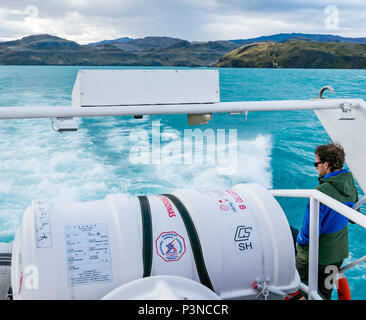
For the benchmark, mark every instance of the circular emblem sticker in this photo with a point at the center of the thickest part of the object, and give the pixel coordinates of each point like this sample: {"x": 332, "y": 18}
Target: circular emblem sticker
{"x": 224, "y": 207}
{"x": 170, "y": 246}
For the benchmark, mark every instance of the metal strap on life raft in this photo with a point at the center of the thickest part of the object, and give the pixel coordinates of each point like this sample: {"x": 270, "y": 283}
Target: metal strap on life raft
{"x": 5, "y": 259}
{"x": 194, "y": 240}
{"x": 147, "y": 247}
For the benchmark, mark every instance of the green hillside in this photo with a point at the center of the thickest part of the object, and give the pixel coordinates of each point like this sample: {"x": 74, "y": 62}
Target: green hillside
{"x": 173, "y": 52}
{"x": 297, "y": 54}
{"x": 150, "y": 51}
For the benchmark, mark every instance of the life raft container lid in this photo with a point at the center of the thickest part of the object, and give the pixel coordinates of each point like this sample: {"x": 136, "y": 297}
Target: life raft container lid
{"x": 162, "y": 287}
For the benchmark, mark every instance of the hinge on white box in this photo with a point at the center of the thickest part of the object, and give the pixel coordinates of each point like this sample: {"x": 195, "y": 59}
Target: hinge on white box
{"x": 347, "y": 113}
{"x": 245, "y": 114}
{"x": 64, "y": 124}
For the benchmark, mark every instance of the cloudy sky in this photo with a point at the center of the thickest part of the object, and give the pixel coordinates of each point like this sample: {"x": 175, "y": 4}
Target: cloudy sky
{"x": 87, "y": 21}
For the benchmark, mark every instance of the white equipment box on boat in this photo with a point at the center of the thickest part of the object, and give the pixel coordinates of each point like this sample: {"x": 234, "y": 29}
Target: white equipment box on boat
{"x": 98, "y": 88}
{"x": 225, "y": 239}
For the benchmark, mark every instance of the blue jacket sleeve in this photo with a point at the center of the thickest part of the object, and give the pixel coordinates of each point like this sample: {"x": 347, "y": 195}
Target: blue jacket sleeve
{"x": 303, "y": 236}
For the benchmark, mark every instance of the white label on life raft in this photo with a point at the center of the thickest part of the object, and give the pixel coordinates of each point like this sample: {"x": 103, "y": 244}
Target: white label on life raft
{"x": 43, "y": 224}
{"x": 228, "y": 201}
{"x": 88, "y": 254}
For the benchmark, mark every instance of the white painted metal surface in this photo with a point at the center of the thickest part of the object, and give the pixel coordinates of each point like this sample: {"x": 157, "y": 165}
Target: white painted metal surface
{"x": 145, "y": 87}
{"x": 314, "y": 247}
{"x": 351, "y": 134}
{"x": 317, "y": 197}
{"x": 346, "y": 211}
{"x": 31, "y": 112}
{"x": 353, "y": 263}
{"x": 359, "y": 203}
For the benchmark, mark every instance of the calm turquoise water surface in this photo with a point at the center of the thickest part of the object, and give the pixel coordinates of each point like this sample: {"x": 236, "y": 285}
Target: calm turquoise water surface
{"x": 274, "y": 149}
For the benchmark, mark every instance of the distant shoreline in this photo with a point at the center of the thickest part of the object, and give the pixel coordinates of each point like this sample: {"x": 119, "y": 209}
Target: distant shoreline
{"x": 287, "y": 51}
{"x": 175, "y": 67}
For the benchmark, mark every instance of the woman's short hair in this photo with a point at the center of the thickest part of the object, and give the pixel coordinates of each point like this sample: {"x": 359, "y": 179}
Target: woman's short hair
{"x": 332, "y": 153}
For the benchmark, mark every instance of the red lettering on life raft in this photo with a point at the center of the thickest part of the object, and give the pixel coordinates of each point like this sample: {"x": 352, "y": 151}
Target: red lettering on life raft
{"x": 236, "y": 197}
{"x": 167, "y": 206}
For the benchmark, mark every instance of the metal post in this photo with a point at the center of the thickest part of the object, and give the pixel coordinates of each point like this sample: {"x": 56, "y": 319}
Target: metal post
{"x": 313, "y": 248}
{"x": 353, "y": 263}
{"x": 359, "y": 203}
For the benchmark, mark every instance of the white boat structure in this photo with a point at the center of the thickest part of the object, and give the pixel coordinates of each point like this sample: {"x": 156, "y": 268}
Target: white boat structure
{"x": 220, "y": 244}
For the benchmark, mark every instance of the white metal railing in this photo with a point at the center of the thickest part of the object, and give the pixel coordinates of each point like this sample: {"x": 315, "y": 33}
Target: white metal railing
{"x": 30, "y": 112}
{"x": 316, "y": 197}
{"x": 359, "y": 203}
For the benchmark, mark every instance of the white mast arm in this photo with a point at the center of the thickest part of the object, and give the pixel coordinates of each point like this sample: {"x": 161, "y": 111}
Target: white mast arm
{"x": 179, "y": 108}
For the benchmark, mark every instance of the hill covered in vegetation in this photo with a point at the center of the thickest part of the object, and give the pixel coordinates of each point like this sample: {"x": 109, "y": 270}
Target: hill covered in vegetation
{"x": 277, "y": 51}
{"x": 297, "y": 54}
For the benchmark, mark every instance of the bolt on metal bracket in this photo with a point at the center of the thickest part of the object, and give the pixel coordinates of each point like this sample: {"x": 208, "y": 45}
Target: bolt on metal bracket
{"x": 347, "y": 113}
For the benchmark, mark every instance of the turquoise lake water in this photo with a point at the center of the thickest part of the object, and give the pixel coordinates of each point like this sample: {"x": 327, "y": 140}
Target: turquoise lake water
{"x": 275, "y": 149}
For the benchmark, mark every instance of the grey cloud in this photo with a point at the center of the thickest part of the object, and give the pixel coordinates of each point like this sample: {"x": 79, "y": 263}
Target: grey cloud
{"x": 187, "y": 19}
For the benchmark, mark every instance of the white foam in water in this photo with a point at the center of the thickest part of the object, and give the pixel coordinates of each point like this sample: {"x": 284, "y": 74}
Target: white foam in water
{"x": 117, "y": 137}
{"x": 38, "y": 163}
{"x": 252, "y": 164}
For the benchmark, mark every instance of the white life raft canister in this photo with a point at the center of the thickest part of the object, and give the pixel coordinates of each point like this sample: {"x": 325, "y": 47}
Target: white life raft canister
{"x": 224, "y": 239}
